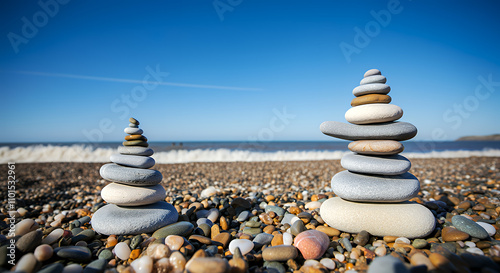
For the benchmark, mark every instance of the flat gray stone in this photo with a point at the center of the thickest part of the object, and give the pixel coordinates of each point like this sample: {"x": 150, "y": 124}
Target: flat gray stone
{"x": 387, "y": 264}
{"x": 372, "y": 72}
{"x": 371, "y": 88}
{"x": 375, "y": 188}
{"x": 130, "y": 176}
{"x": 133, "y": 131}
{"x": 386, "y": 131}
{"x": 373, "y": 79}
{"x": 469, "y": 226}
{"x": 73, "y": 253}
{"x": 135, "y": 150}
{"x": 112, "y": 219}
{"x": 134, "y": 161}
{"x": 376, "y": 164}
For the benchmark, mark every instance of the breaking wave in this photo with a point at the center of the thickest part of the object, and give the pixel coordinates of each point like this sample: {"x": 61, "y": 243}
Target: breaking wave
{"x": 82, "y": 153}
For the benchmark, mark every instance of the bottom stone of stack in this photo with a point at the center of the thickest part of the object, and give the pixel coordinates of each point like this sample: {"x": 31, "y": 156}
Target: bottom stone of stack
{"x": 113, "y": 219}
{"x": 405, "y": 219}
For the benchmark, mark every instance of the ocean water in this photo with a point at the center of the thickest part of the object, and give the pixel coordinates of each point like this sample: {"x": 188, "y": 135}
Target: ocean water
{"x": 168, "y": 152}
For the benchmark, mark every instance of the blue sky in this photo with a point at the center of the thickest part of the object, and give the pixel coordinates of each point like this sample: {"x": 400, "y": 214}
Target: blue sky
{"x": 241, "y": 69}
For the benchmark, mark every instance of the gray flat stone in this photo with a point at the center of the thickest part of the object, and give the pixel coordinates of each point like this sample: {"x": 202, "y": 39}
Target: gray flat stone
{"x": 373, "y": 79}
{"x": 134, "y": 161}
{"x": 371, "y": 88}
{"x": 375, "y": 188}
{"x": 372, "y": 72}
{"x": 130, "y": 176}
{"x": 73, "y": 253}
{"x": 387, "y": 264}
{"x": 376, "y": 164}
{"x": 112, "y": 219}
{"x": 133, "y": 131}
{"x": 135, "y": 150}
{"x": 469, "y": 226}
{"x": 384, "y": 131}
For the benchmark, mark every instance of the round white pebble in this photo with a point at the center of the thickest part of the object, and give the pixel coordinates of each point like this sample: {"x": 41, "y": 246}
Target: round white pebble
{"x": 244, "y": 245}
{"x": 489, "y": 228}
{"x": 143, "y": 265}
{"x": 122, "y": 251}
{"x": 287, "y": 238}
{"x": 328, "y": 263}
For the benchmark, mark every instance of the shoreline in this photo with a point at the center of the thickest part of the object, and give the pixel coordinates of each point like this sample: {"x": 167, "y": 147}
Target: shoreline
{"x": 45, "y": 190}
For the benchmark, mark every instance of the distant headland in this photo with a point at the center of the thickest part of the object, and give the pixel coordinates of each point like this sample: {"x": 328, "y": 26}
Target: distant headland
{"x": 495, "y": 137}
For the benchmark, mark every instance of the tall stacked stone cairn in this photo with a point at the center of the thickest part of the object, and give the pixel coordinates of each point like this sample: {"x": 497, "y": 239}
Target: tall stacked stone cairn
{"x": 373, "y": 192}
{"x": 135, "y": 197}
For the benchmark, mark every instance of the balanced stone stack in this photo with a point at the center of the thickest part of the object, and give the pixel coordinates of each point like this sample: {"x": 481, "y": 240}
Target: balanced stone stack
{"x": 373, "y": 192}
{"x": 135, "y": 197}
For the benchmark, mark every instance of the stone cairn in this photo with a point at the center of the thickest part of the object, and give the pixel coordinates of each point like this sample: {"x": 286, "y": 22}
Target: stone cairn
{"x": 135, "y": 197}
{"x": 373, "y": 192}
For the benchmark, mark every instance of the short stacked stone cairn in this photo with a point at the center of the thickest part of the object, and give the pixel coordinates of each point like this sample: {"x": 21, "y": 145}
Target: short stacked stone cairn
{"x": 135, "y": 197}
{"x": 373, "y": 192}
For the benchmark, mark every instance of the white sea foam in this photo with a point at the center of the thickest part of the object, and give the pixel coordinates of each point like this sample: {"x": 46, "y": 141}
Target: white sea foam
{"x": 81, "y": 153}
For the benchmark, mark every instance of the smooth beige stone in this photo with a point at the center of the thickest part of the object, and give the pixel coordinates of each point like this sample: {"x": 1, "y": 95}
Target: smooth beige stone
{"x": 376, "y": 147}
{"x": 370, "y": 98}
{"x": 405, "y": 219}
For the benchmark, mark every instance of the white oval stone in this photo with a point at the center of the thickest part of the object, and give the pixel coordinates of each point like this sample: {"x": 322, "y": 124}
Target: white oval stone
{"x": 133, "y": 131}
{"x": 404, "y": 219}
{"x": 25, "y": 226}
{"x": 244, "y": 245}
{"x": 26, "y": 264}
{"x": 373, "y": 113}
{"x": 126, "y": 195}
{"x": 143, "y": 264}
{"x": 287, "y": 238}
{"x": 373, "y": 79}
{"x": 372, "y": 72}
{"x": 135, "y": 161}
{"x": 53, "y": 236}
{"x": 122, "y": 251}
{"x": 489, "y": 228}
{"x": 371, "y": 88}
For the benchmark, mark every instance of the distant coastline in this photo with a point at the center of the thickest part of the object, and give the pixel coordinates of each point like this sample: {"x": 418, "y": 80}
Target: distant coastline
{"x": 495, "y": 137}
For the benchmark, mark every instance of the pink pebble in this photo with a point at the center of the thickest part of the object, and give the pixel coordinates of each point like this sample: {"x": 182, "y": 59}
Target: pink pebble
{"x": 312, "y": 243}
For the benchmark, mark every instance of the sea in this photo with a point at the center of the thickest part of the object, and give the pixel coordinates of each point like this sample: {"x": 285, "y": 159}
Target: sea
{"x": 233, "y": 151}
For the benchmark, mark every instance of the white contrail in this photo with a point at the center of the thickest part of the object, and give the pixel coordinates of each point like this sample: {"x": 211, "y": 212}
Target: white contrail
{"x": 136, "y": 81}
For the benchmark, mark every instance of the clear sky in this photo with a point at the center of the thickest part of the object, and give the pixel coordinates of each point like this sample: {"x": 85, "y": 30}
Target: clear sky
{"x": 242, "y": 69}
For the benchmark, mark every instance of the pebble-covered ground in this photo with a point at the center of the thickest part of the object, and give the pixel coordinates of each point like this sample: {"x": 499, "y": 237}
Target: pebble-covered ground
{"x": 222, "y": 206}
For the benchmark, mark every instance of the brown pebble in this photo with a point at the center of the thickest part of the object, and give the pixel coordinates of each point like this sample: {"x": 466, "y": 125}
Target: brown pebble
{"x": 223, "y": 223}
{"x": 201, "y": 239}
{"x": 441, "y": 262}
{"x": 279, "y": 253}
{"x": 270, "y": 198}
{"x": 328, "y": 231}
{"x": 266, "y": 219}
{"x": 277, "y": 240}
{"x": 207, "y": 265}
{"x": 295, "y": 210}
{"x": 269, "y": 229}
{"x": 134, "y": 254}
{"x": 450, "y": 234}
{"x": 390, "y": 239}
{"x": 200, "y": 253}
{"x": 420, "y": 259}
{"x": 224, "y": 238}
{"x": 465, "y": 205}
{"x": 214, "y": 230}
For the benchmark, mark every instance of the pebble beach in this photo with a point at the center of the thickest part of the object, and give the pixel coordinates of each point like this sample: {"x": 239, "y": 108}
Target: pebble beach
{"x": 249, "y": 217}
